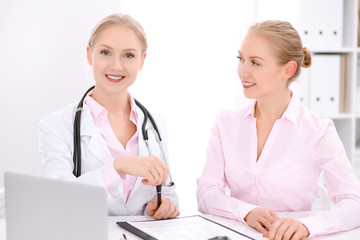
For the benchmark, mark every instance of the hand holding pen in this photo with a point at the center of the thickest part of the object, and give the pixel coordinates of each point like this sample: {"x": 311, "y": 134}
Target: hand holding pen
{"x": 167, "y": 209}
{"x": 158, "y": 193}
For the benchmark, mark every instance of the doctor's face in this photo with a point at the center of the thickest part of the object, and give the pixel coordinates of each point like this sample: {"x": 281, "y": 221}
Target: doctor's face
{"x": 258, "y": 69}
{"x": 116, "y": 57}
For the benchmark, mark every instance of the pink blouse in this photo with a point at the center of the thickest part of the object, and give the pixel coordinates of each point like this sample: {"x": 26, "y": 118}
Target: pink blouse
{"x": 100, "y": 116}
{"x": 300, "y": 145}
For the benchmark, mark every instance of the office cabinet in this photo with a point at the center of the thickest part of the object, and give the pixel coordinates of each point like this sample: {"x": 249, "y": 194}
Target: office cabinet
{"x": 330, "y": 29}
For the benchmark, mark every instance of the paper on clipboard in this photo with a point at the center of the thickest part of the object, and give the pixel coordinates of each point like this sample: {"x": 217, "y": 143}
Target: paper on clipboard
{"x": 189, "y": 228}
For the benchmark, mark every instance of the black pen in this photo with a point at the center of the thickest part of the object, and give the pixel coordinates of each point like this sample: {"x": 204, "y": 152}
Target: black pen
{"x": 158, "y": 192}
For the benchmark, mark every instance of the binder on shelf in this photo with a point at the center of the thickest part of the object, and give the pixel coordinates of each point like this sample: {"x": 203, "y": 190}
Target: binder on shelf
{"x": 306, "y": 29}
{"x": 329, "y": 23}
{"x": 321, "y": 23}
{"x": 358, "y": 99}
{"x": 300, "y": 87}
{"x": 324, "y": 80}
{"x": 357, "y": 103}
{"x": 344, "y": 85}
{"x": 359, "y": 23}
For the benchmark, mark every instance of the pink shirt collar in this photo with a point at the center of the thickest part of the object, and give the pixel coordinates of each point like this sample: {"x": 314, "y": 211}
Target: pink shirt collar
{"x": 291, "y": 113}
{"x": 98, "y": 111}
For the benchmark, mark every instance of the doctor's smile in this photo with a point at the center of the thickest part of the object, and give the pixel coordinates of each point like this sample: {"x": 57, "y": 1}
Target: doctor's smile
{"x": 114, "y": 78}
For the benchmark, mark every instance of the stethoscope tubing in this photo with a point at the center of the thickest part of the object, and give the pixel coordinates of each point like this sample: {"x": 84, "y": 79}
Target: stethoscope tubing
{"x": 77, "y": 137}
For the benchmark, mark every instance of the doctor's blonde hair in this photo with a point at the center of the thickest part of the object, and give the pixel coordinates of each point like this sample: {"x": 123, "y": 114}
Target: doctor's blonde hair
{"x": 121, "y": 20}
{"x": 286, "y": 43}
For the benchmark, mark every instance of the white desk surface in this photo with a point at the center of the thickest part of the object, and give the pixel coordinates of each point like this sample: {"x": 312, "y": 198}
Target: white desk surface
{"x": 115, "y": 232}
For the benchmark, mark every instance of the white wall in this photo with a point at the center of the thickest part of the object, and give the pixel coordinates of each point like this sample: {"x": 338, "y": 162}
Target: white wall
{"x": 285, "y": 10}
{"x": 42, "y": 68}
{"x": 189, "y": 74}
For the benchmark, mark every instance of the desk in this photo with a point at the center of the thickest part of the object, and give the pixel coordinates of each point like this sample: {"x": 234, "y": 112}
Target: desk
{"x": 115, "y": 232}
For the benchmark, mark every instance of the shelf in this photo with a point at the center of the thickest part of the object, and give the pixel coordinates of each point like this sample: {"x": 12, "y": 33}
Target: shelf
{"x": 340, "y": 116}
{"x": 347, "y": 122}
{"x": 343, "y": 50}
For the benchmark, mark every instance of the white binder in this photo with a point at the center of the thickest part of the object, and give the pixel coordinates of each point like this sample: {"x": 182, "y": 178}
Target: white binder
{"x": 357, "y": 103}
{"x": 324, "y": 79}
{"x": 301, "y": 88}
{"x": 306, "y": 27}
{"x": 358, "y": 99}
{"x": 321, "y": 23}
{"x": 329, "y": 23}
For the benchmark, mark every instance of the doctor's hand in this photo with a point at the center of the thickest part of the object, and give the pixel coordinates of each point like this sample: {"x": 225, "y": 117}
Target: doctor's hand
{"x": 166, "y": 210}
{"x": 286, "y": 229}
{"x": 151, "y": 168}
{"x": 261, "y": 219}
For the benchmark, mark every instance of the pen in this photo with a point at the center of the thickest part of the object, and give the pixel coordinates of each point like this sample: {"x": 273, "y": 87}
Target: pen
{"x": 125, "y": 238}
{"x": 158, "y": 191}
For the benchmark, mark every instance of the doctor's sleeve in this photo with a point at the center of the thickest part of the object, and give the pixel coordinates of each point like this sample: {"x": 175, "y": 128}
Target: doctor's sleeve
{"x": 55, "y": 147}
{"x": 55, "y": 150}
{"x": 211, "y": 185}
{"x": 342, "y": 183}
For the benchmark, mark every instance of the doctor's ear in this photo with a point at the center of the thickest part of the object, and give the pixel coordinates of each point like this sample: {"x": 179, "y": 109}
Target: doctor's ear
{"x": 88, "y": 55}
{"x": 142, "y": 61}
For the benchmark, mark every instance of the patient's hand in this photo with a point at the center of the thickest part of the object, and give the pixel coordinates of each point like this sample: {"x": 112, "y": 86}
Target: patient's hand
{"x": 261, "y": 219}
{"x": 286, "y": 229}
{"x": 166, "y": 210}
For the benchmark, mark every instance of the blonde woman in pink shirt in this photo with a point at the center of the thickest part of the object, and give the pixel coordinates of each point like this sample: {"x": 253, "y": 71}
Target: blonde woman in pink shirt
{"x": 270, "y": 152}
{"x": 111, "y": 145}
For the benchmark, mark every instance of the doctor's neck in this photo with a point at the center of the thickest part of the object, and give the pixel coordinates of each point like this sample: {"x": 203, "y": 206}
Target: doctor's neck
{"x": 116, "y": 103}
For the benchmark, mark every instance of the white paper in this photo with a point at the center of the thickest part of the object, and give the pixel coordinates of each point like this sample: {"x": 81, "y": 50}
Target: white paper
{"x": 189, "y": 228}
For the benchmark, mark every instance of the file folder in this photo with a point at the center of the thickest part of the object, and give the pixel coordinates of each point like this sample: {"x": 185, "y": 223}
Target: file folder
{"x": 301, "y": 88}
{"x": 324, "y": 79}
{"x": 344, "y": 85}
{"x": 358, "y": 99}
{"x": 329, "y": 23}
{"x": 357, "y": 104}
{"x": 306, "y": 26}
{"x": 321, "y": 23}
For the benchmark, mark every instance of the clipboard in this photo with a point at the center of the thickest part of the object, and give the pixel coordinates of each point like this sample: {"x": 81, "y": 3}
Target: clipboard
{"x": 136, "y": 228}
{"x": 128, "y": 227}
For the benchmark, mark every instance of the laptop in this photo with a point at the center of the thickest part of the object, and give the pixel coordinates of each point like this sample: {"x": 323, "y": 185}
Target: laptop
{"x": 42, "y": 209}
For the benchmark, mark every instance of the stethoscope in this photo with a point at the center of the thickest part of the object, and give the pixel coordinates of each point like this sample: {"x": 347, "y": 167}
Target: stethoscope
{"x": 145, "y": 133}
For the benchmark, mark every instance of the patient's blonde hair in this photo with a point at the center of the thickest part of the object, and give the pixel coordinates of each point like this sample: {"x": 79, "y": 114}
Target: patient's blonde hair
{"x": 122, "y": 20}
{"x": 286, "y": 43}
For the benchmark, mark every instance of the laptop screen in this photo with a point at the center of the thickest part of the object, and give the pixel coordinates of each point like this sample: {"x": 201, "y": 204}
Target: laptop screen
{"x": 42, "y": 208}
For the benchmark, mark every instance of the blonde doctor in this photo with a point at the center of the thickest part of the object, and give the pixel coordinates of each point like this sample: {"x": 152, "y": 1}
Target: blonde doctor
{"x": 113, "y": 151}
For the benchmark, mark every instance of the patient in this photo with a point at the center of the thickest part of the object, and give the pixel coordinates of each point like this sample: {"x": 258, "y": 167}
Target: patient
{"x": 270, "y": 152}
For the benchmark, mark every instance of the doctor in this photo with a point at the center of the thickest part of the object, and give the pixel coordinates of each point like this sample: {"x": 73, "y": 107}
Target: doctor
{"x": 113, "y": 151}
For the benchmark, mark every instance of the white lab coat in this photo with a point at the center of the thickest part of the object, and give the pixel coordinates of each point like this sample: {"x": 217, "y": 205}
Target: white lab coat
{"x": 56, "y": 147}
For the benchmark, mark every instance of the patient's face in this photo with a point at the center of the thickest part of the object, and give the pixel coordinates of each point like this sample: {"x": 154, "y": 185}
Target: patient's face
{"x": 258, "y": 68}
